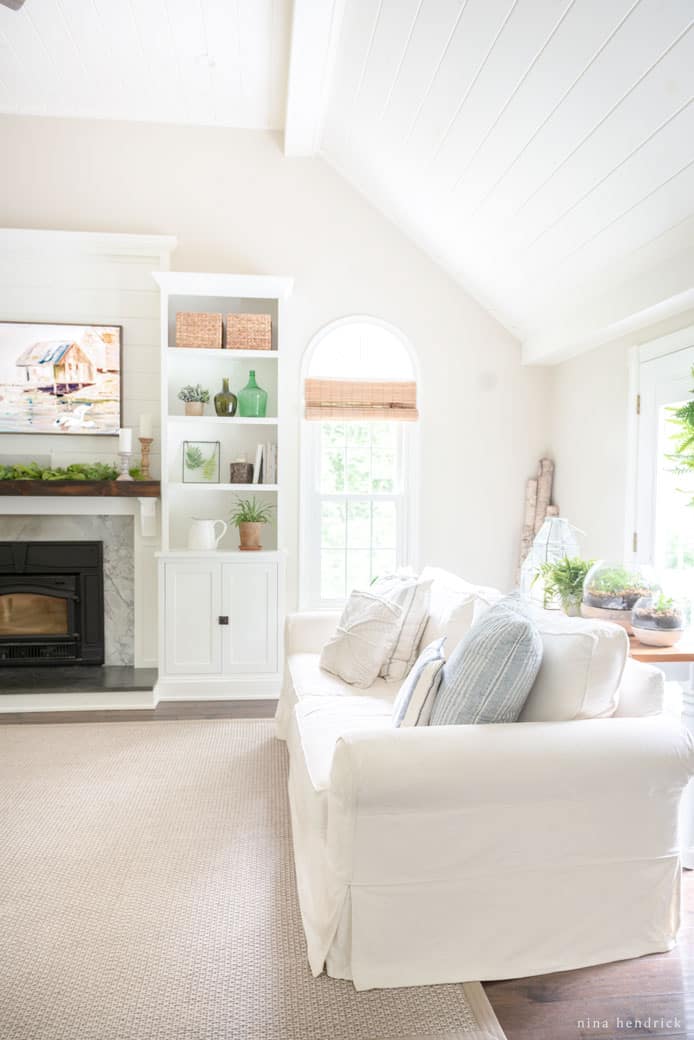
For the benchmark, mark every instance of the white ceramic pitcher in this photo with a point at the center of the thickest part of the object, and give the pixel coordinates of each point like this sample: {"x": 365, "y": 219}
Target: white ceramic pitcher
{"x": 202, "y": 534}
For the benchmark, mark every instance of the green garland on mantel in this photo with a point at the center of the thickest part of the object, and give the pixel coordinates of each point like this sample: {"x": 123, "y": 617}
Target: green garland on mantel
{"x": 75, "y": 471}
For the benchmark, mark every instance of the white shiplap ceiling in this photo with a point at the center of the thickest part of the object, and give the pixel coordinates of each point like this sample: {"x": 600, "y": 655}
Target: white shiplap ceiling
{"x": 542, "y": 151}
{"x": 209, "y": 62}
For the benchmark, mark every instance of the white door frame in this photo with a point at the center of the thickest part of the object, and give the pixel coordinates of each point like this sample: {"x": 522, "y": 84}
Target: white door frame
{"x": 638, "y": 536}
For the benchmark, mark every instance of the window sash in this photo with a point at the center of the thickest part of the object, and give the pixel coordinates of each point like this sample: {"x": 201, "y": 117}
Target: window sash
{"x": 312, "y": 499}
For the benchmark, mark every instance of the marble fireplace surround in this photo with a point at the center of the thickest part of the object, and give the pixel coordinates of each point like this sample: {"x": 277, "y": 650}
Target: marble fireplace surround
{"x": 117, "y": 535}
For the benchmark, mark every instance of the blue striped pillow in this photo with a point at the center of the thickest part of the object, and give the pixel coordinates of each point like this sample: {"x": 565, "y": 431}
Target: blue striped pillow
{"x": 415, "y": 697}
{"x": 490, "y": 673}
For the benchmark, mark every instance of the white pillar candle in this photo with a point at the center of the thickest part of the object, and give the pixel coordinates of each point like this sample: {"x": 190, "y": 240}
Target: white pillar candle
{"x": 145, "y": 425}
{"x": 125, "y": 440}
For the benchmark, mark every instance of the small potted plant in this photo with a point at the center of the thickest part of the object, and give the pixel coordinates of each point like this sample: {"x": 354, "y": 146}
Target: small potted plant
{"x": 195, "y": 398}
{"x": 610, "y": 592}
{"x": 563, "y": 580}
{"x": 657, "y": 620}
{"x": 249, "y": 516}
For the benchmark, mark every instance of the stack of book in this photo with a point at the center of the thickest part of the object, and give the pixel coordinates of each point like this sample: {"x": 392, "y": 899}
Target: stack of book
{"x": 265, "y": 468}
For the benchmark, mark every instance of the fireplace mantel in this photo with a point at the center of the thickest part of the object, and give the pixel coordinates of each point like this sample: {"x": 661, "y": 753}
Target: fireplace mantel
{"x": 96, "y": 497}
{"x": 82, "y": 488}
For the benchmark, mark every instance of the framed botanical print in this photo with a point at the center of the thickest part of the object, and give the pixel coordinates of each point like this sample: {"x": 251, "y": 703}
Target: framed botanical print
{"x": 201, "y": 462}
{"x": 60, "y": 378}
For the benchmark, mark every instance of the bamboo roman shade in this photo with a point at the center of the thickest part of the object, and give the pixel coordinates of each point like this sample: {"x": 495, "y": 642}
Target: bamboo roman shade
{"x": 360, "y": 399}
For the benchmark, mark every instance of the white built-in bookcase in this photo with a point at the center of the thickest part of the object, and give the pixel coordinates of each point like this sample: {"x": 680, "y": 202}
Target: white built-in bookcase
{"x": 217, "y": 293}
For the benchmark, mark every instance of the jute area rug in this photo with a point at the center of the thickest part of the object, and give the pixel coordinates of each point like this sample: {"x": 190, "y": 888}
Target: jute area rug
{"x": 147, "y": 893}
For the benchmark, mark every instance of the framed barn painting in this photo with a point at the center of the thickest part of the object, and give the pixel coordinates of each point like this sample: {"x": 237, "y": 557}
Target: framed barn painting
{"x": 60, "y": 378}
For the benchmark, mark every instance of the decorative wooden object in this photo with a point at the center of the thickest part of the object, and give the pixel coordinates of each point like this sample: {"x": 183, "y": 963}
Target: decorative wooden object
{"x": 145, "y": 447}
{"x": 545, "y": 479}
{"x": 198, "y": 330}
{"x": 241, "y": 473}
{"x": 538, "y": 505}
{"x": 249, "y": 332}
{"x": 529, "y": 517}
{"x": 82, "y": 488}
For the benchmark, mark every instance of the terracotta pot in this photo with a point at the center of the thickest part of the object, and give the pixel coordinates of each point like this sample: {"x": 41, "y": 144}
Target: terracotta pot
{"x": 249, "y": 535}
{"x": 194, "y": 407}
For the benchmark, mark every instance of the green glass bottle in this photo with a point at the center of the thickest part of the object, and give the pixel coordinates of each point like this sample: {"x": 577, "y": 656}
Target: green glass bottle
{"x": 252, "y": 399}
{"x": 225, "y": 401}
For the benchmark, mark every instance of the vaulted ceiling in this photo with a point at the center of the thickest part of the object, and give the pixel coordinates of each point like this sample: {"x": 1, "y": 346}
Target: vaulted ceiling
{"x": 211, "y": 62}
{"x": 542, "y": 151}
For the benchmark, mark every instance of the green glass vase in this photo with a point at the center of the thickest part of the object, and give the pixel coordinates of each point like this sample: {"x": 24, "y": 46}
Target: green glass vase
{"x": 225, "y": 401}
{"x": 252, "y": 399}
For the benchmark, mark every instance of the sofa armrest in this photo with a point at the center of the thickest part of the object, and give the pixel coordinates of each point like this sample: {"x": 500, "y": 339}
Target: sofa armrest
{"x": 641, "y": 692}
{"x": 309, "y": 631}
{"x": 436, "y": 802}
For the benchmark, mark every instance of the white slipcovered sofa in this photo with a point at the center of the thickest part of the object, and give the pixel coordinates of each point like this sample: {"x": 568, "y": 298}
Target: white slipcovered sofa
{"x": 453, "y": 853}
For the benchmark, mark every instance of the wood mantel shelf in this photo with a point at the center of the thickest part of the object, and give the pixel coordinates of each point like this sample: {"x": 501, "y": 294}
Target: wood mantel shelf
{"x": 83, "y": 488}
{"x": 117, "y": 496}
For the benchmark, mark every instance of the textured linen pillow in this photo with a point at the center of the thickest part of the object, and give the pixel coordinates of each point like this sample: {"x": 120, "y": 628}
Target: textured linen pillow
{"x": 415, "y": 697}
{"x": 490, "y": 674}
{"x": 365, "y": 637}
{"x": 413, "y": 596}
{"x": 582, "y": 665}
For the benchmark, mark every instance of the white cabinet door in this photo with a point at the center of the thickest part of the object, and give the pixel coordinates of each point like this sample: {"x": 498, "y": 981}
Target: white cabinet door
{"x": 193, "y": 602}
{"x": 249, "y": 598}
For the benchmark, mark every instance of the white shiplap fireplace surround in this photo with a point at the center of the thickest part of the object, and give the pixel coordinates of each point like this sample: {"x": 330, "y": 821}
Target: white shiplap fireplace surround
{"x": 83, "y": 277}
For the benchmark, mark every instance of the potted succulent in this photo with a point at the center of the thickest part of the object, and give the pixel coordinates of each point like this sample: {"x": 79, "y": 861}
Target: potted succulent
{"x": 610, "y": 592}
{"x": 657, "y": 620}
{"x": 195, "y": 398}
{"x": 563, "y": 580}
{"x": 249, "y": 516}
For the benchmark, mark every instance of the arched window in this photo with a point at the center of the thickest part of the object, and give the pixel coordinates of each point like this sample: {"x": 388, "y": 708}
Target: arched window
{"x": 359, "y": 458}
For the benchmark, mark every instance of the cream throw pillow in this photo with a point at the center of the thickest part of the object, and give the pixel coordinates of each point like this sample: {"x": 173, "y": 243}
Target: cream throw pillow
{"x": 412, "y": 595}
{"x": 366, "y": 635}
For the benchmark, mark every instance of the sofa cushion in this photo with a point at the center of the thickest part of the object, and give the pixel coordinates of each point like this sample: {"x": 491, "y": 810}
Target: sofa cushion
{"x": 412, "y": 595}
{"x": 366, "y": 634}
{"x": 308, "y": 679}
{"x": 415, "y": 698}
{"x": 320, "y": 724}
{"x": 490, "y": 674}
{"x": 451, "y": 606}
{"x": 581, "y": 671}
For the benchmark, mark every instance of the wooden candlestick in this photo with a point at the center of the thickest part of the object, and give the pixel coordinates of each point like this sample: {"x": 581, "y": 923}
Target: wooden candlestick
{"x": 145, "y": 445}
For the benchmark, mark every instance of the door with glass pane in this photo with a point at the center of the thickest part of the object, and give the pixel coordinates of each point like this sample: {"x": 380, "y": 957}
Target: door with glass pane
{"x": 358, "y": 518}
{"x": 665, "y": 488}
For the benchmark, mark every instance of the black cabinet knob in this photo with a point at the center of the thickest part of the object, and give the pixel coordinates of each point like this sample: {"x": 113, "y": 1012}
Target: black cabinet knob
{"x": 223, "y": 619}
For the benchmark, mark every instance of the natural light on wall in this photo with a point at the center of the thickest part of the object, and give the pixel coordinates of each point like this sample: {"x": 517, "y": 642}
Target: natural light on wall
{"x": 358, "y": 461}
{"x": 674, "y": 515}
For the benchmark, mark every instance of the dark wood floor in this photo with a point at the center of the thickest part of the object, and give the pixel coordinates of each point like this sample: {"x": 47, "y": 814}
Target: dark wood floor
{"x": 601, "y": 1001}
{"x": 607, "y": 1001}
{"x": 166, "y": 710}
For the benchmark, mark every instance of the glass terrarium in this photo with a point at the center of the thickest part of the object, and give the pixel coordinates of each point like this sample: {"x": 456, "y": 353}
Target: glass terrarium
{"x": 610, "y": 592}
{"x": 658, "y": 620}
{"x": 553, "y": 542}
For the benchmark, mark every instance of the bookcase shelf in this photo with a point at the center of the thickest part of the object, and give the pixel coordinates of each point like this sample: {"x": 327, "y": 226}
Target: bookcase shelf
{"x": 190, "y": 420}
{"x": 179, "y": 484}
{"x": 225, "y": 355}
{"x": 242, "y": 436}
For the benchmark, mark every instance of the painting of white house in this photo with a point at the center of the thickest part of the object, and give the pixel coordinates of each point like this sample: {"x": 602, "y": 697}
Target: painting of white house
{"x": 59, "y": 378}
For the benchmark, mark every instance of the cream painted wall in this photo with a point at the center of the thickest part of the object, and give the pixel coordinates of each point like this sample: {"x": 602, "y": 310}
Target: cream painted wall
{"x": 237, "y": 205}
{"x": 590, "y": 438}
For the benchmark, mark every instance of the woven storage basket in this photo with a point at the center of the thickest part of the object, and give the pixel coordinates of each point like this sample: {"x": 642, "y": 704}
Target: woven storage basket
{"x": 198, "y": 330}
{"x": 249, "y": 332}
